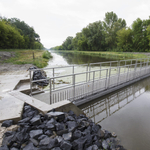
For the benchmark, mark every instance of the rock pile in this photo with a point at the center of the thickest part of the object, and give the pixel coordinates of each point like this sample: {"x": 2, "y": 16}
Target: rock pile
{"x": 57, "y": 131}
{"x": 39, "y": 74}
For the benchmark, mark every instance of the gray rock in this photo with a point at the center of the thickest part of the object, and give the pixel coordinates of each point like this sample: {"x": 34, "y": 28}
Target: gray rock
{"x": 79, "y": 143}
{"x": 105, "y": 145}
{"x": 56, "y": 148}
{"x": 25, "y": 120}
{"x": 4, "y": 148}
{"x": 35, "y": 142}
{"x": 30, "y": 146}
{"x": 35, "y": 133}
{"x": 93, "y": 147}
{"x": 67, "y": 136}
{"x": 59, "y": 126}
{"x": 42, "y": 137}
{"x": 77, "y": 134}
{"x": 59, "y": 139}
{"x": 53, "y": 143}
{"x": 65, "y": 145}
{"x": 35, "y": 120}
{"x": 61, "y": 132}
{"x": 60, "y": 116}
{"x": 100, "y": 133}
{"x": 14, "y": 148}
{"x": 45, "y": 141}
{"x": 7, "y": 123}
{"x": 49, "y": 133}
{"x": 72, "y": 125}
{"x": 70, "y": 118}
{"x": 50, "y": 126}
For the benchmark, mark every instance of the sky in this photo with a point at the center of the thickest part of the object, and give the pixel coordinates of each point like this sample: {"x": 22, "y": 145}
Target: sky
{"x": 55, "y": 20}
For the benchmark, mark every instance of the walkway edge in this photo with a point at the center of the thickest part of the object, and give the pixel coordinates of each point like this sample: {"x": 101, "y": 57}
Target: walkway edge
{"x": 64, "y": 106}
{"x": 108, "y": 91}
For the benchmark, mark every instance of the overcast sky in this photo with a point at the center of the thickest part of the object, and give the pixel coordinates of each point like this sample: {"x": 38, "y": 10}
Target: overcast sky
{"x": 55, "y": 20}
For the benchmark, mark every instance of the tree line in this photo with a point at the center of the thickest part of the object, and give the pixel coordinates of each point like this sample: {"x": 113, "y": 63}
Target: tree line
{"x": 112, "y": 34}
{"x": 16, "y": 34}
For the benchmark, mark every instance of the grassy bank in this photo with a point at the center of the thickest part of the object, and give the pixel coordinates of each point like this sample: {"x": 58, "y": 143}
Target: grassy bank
{"x": 118, "y": 55}
{"x": 38, "y": 58}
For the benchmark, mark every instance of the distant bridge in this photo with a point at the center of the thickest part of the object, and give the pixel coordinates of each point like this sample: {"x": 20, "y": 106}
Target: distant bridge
{"x": 81, "y": 87}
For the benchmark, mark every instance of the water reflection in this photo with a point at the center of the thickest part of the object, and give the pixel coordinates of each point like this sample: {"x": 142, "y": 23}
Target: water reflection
{"x": 102, "y": 108}
{"x": 78, "y": 58}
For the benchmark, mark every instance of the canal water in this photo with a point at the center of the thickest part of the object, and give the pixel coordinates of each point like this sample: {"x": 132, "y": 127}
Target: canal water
{"x": 125, "y": 112}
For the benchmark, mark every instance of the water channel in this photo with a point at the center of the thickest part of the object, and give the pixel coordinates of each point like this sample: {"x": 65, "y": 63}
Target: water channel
{"x": 125, "y": 112}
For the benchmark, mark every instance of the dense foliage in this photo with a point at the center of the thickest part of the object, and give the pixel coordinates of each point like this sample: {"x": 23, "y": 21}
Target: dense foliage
{"x": 17, "y": 34}
{"x": 111, "y": 34}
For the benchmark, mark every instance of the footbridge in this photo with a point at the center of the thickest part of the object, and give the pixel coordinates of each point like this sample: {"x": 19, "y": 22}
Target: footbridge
{"x": 90, "y": 82}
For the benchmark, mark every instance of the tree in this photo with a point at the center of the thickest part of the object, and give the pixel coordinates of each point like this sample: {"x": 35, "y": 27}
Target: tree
{"x": 67, "y": 44}
{"x": 111, "y": 25}
{"x": 140, "y": 40}
{"x": 124, "y": 39}
{"x": 10, "y": 36}
{"x": 148, "y": 34}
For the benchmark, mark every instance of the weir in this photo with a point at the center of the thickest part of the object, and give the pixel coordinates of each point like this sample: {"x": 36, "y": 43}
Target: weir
{"x": 81, "y": 87}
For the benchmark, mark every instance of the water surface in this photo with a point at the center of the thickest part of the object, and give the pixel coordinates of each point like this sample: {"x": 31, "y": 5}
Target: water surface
{"x": 125, "y": 112}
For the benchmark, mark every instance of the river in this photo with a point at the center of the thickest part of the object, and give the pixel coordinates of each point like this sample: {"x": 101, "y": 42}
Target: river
{"x": 125, "y": 112}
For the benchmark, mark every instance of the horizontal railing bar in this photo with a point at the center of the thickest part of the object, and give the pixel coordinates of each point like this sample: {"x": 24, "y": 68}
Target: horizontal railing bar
{"x": 59, "y": 67}
{"x": 77, "y": 74}
{"x": 102, "y": 62}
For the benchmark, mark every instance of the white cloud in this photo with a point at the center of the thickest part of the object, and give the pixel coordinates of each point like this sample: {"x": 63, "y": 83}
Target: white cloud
{"x": 54, "y": 20}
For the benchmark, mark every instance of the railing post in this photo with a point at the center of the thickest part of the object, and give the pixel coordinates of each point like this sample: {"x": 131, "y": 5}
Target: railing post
{"x": 125, "y": 62}
{"x": 30, "y": 83}
{"x": 100, "y": 70}
{"x": 53, "y": 79}
{"x": 93, "y": 81}
{"x": 135, "y": 69}
{"x": 87, "y": 73}
{"x": 140, "y": 66}
{"x": 73, "y": 87}
{"x": 109, "y": 77}
{"x": 118, "y": 76}
{"x": 73, "y": 69}
{"x": 106, "y": 79}
{"x": 50, "y": 87}
{"x": 127, "y": 73}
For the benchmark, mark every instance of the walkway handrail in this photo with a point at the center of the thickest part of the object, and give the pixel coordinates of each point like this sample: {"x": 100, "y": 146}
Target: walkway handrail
{"x": 95, "y": 80}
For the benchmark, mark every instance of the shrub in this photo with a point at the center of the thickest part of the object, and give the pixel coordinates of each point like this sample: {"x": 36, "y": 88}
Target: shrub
{"x": 47, "y": 55}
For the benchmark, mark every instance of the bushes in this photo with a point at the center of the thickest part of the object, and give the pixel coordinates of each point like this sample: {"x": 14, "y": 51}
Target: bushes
{"x": 47, "y": 55}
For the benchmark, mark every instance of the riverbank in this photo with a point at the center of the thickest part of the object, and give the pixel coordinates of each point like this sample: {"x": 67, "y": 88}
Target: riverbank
{"x": 38, "y": 58}
{"x": 115, "y": 55}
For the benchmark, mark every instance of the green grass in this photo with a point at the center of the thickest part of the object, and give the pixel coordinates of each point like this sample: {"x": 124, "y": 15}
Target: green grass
{"x": 38, "y": 58}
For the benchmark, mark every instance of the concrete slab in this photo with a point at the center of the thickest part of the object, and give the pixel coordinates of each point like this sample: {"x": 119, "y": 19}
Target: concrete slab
{"x": 10, "y": 107}
{"x": 41, "y": 106}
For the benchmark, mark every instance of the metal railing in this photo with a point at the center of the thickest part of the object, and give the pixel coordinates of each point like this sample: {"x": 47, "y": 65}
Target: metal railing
{"x": 75, "y": 86}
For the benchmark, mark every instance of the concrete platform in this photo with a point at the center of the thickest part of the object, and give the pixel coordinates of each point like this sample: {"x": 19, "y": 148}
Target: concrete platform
{"x": 64, "y": 106}
{"x": 10, "y": 108}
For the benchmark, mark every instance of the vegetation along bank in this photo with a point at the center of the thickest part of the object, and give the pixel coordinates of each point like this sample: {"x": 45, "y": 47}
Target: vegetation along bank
{"x": 112, "y": 34}
{"x": 38, "y": 58}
